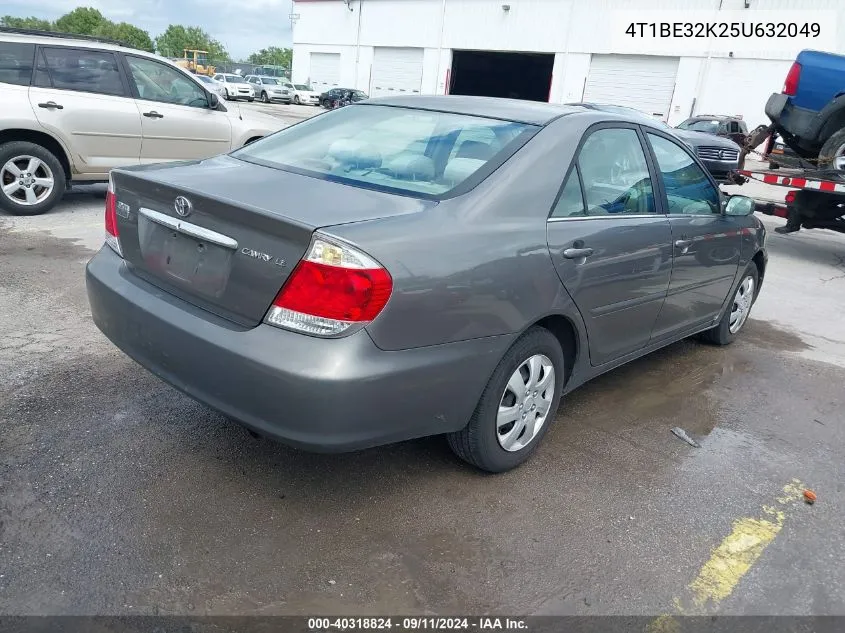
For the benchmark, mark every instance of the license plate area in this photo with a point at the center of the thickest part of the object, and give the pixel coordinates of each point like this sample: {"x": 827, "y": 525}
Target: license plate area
{"x": 183, "y": 260}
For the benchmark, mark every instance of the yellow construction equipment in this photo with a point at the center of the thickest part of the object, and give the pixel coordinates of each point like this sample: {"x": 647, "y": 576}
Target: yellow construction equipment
{"x": 196, "y": 61}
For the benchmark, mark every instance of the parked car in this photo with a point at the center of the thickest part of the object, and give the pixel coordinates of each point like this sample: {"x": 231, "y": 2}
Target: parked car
{"x": 329, "y": 97}
{"x": 731, "y": 127}
{"x": 437, "y": 265}
{"x": 235, "y": 87}
{"x": 719, "y": 155}
{"x": 270, "y": 89}
{"x": 782, "y": 155}
{"x": 809, "y": 112}
{"x": 214, "y": 86}
{"x": 302, "y": 94}
{"x": 89, "y": 106}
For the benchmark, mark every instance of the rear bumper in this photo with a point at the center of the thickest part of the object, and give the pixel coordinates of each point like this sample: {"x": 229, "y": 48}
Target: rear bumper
{"x": 318, "y": 394}
{"x": 799, "y": 122}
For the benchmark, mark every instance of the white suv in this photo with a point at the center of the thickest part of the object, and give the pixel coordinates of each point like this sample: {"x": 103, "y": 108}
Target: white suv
{"x": 73, "y": 108}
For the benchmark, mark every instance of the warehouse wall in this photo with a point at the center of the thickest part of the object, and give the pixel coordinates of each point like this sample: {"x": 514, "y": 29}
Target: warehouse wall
{"x": 572, "y": 29}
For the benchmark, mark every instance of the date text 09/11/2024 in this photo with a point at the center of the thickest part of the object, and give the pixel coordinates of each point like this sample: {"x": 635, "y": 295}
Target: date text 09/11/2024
{"x": 416, "y": 624}
{"x": 723, "y": 29}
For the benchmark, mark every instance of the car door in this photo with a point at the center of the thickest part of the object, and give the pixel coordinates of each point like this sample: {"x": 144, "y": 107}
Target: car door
{"x": 706, "y": 242}
{"x": 82, "y": 96}
{"x": 610, "y": 246}
{"x": 176, "y": 120}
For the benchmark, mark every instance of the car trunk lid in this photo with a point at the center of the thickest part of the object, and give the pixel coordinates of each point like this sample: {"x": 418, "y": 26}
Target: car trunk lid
{"x": 224, "y": 234}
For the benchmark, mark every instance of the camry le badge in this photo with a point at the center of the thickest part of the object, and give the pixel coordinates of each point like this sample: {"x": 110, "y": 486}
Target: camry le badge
{"x": 183, "y": 206}
{"x": 263, "y": 257}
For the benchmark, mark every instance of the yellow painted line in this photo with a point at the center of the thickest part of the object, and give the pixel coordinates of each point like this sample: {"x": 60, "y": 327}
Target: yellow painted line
{"x": 740, "y": 549}
{"x": 733, "y": 558}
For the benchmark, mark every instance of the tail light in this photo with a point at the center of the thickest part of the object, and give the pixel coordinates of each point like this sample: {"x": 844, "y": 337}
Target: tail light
{"x": 790, "y": 197}
{"x": 790, "y": 86}
{"x": 332, "y": 288}
{"x": 112, "y": 234}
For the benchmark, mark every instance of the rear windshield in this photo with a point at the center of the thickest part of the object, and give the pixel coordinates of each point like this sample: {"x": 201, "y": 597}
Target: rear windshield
{"x": 400, "y": 149}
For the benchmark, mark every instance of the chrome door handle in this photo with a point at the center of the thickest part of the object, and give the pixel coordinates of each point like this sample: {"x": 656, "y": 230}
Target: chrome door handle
{"x": 577, "y": 253}
{"x": 153, "y": 115}
{"x": 51, "y": 105}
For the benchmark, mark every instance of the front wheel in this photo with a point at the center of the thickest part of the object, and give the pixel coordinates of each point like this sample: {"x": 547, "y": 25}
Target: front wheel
{"x": 251, "y": 99}
{"x": 265, "y": 98}
{"x": 517, "y": 406}
{"x": 738, "y": 309}
{"x": 32, "y": 180}
{"x": 296, "y": 99}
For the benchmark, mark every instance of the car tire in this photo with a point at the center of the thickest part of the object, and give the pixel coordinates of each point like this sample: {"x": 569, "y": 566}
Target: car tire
{"x": 265, "y": 98}
{"x": 744, "y": 296}
{"x": 17, "y": 153}
{"x": 482, "y": 441}
{"x": 228, "y": 97}
{"x": 296, "y": 99}
{"x": 828, "y": 152}
{"x": 250, "y": 99}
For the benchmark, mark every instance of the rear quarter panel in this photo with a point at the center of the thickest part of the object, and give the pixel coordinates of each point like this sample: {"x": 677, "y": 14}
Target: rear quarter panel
{"x": 476, "y": 265}
{"x": 822, "y": 79}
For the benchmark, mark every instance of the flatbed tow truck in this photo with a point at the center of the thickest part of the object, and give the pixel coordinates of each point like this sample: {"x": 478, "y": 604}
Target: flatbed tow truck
{"x": 816, "y": 197}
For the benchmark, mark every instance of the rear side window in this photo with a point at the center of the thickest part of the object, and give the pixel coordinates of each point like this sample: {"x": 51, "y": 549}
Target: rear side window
{"x": 615, "y": 174}
{"x": 402, "y": 149}
{"x": 84, "y": 70}
{"x": 16, "y": 63}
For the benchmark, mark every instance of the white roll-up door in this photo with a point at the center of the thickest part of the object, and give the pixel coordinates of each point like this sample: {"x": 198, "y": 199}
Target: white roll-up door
{"x": 643, "y": 82}
{"x": 396, "y": 71}
{"x": 325, "y": 71}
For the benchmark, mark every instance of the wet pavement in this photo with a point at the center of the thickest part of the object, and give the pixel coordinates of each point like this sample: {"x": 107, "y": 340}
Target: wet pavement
{"x": 119, "y": 495}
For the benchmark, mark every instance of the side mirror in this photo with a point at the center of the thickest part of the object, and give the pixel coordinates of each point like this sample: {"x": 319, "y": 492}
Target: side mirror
{"x": 213, "y": 100}
{"x": 739, "y": 206}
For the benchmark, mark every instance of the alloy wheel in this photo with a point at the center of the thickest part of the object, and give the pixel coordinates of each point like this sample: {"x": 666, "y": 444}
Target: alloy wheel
{"x": 526, "y": 403}
{"x": 26, "y": 180}
{"x": 741, "y": 306}
{"x": 839, "y": 157}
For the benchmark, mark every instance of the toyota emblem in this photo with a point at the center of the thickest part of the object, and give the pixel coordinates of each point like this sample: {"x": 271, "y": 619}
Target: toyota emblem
{"x": 183, "y": 206}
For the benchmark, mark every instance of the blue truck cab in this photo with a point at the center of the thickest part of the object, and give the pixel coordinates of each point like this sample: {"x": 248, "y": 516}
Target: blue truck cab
{"x": 809, "y": 113}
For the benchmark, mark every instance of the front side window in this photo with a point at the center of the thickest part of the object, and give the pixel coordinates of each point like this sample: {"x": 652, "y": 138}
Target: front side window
{"x": 269, "y": 81}
{"x": 84, "y": 70}
{"x": 615, "y": 174}
{"x": 688, "y": 189}
{"x": 158, "y": 82}
{"x": 16, "y": 63}
{"x": 398, "y": 149}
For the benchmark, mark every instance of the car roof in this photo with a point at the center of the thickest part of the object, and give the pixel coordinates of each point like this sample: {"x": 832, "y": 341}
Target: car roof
{"x": 518, "y": 110}
{"x": 713, "y": 117}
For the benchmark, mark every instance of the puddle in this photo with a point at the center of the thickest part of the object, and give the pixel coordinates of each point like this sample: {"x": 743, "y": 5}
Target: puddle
{"x": 764, "y": 334}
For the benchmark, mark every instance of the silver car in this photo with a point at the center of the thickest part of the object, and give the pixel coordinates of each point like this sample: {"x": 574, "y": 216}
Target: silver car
{"x": 270, "y": 89}
{"x": 420, "y": 266}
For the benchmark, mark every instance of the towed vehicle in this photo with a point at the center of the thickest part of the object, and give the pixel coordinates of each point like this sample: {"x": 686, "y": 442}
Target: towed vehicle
{"x": 435, "y": 266}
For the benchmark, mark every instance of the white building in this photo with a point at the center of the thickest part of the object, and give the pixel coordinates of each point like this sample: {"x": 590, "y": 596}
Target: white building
{"x": 556, "y": 50}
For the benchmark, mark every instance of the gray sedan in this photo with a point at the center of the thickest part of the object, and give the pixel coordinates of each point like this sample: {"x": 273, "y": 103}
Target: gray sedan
{"x": 415, "y": 266}
{"x": 269, "y": 88}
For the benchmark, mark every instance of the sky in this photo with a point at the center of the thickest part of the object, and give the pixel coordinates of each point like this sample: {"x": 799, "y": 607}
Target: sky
{"x": 243, "y": 27}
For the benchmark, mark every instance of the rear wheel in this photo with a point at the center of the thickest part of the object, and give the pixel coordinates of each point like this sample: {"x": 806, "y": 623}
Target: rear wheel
{"x": 32, "y": 180}
{"x": 738, "y": 310}
{"x": 251, "y": 99}
{"x": 517, "y": 405}
{"x": 832, "y": 154}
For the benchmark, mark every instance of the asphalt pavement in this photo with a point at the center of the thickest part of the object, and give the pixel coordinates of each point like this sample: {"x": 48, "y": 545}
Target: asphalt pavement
{"x": 120, "y": 495}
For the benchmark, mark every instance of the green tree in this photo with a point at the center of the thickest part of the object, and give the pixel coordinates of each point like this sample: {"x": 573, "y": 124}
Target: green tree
{"x": 127, "y": 34}
{"x": 81, "y": 21}
{"x": 272, "y": 55}
{"x": 26, "y": 23}
{"x": 177, "y": 38}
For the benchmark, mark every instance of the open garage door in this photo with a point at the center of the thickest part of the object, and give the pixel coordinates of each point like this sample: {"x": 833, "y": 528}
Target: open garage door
{"x": 396, "y": 71}
{"x": 643, "y": 82}
{"x": 325, "y": 71}
{"x": 495, "y": 74}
